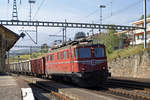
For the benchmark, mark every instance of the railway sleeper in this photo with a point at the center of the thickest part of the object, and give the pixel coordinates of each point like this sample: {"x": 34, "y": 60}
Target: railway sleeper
{"x": 130, "y": 94}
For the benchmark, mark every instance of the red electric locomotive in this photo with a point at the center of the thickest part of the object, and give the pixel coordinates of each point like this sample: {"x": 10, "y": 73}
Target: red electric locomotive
{"x": 79, "y": 62}
{"x": 82, "y": 63}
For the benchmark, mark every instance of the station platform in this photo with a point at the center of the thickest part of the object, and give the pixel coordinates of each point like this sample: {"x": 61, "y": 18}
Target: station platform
{"x": 9, "y": 89}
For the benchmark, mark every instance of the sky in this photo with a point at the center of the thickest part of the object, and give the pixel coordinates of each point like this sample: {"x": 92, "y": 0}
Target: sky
{"x": 120, "y": 12}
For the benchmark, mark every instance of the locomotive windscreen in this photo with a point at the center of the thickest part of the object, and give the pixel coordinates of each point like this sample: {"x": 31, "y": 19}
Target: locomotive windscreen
{"x": 84, "y": 53}
{"x": 99, "y": 52}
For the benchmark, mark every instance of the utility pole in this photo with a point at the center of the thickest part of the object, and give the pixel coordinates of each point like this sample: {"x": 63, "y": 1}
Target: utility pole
{"x": 15, "y": 12}
{"x": 31, "y": 52}
{"x": 63, "y": 35}
{"x": 65, "y": 29}
{"x": 36, "y": 34}
{"x": 92, "y": 28}
{"x": 101, "y": 16}
{"x": 8, "y": 62}
{"x": 30, "y": 13}
{"x": 145, "y": 24}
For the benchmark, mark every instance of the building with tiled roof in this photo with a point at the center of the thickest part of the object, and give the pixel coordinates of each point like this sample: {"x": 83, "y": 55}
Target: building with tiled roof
{"x": 137, "y": 36}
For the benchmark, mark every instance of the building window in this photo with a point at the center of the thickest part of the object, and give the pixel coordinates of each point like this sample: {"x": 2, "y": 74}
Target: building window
{"x": 141, "y": 37}
{"x": 138, "y": 37}
{"x": 148, "y": 36}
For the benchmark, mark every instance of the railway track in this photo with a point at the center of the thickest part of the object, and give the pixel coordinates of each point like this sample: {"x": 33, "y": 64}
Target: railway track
{"x": 53, "y": 95}
{"x": 68, "y": 91}
{"x": 59, "y": 96}
{"x": 116, "y": 89}
{"x": 41, "y": 92}
{"x": 129, "y": 89}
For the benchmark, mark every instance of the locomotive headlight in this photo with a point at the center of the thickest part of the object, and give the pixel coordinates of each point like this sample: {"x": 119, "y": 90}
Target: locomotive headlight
{"x": 103, "y": 68}
{"x": 83, "y": 69}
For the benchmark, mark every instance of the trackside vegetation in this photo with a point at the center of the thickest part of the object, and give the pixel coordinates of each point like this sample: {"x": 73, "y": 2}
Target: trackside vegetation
{"x": 111, "y": 41}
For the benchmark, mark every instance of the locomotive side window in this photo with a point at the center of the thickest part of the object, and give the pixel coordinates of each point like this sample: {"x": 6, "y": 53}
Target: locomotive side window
{"x": 99, "y": 52}
{"x": 67, "y": 54}
{"x": 75, "y": 52}
{"x": 47, "y": 58}
{"x": 58, "y": 55}
{"x": 84, "y": 53}
{"x": 64, "y": 54}
{"x": 71, "y": 53}
{"x": 52, "y": 57}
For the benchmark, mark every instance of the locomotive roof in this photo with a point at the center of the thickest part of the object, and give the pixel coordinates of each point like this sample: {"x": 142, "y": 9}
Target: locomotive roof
{"x": 75, "y": 46}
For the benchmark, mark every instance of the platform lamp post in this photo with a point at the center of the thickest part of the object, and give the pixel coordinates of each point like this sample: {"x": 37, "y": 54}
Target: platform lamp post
{"x": 145, "y": 24}
{"x": 101, "y": 16}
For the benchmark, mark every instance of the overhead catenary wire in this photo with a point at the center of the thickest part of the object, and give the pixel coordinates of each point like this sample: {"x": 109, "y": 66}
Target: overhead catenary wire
{"x": 38, "y": 9}
{"x": 123, "y": 9}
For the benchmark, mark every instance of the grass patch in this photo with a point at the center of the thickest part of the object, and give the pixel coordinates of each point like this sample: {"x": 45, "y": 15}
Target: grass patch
{"x": 126, "y": 52}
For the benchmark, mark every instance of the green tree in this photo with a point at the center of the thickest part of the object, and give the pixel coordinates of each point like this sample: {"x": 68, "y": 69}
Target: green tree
{"x": 110, "y": 40}
{"x": 148, "y": 16}
{"x": 44, "y": 48}
{"x": 142, "y": 17}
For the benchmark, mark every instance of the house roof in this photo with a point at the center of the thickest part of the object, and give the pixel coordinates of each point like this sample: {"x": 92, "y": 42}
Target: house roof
{"x": 10, "y": 37}
{"x": 122, "y": 32}
{"x": 141, "y": 21}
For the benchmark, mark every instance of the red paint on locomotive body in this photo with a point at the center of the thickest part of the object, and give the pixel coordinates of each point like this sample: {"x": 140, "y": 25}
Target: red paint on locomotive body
{"x": 69, "y": 60}
{"x": 60, "y": 62}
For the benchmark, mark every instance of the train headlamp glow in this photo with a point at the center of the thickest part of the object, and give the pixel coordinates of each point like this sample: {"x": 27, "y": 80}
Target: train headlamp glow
{"x": 103, "y": 68}
{"x": 83, "y": 69}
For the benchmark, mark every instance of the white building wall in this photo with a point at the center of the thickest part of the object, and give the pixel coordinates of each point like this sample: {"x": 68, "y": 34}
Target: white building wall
{"x": 139, "y": 39}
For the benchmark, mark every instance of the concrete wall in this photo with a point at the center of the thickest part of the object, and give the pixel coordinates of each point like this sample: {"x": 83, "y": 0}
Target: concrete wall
{"x": 137, "y": 66}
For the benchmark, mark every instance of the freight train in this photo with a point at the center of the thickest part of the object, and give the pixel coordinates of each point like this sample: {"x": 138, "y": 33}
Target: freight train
{"x": 80, "y": 62}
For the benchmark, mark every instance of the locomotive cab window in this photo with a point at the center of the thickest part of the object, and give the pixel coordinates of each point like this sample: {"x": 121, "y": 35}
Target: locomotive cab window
{"x": 84, "y": 53}
{"x": 99, "y": 52}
